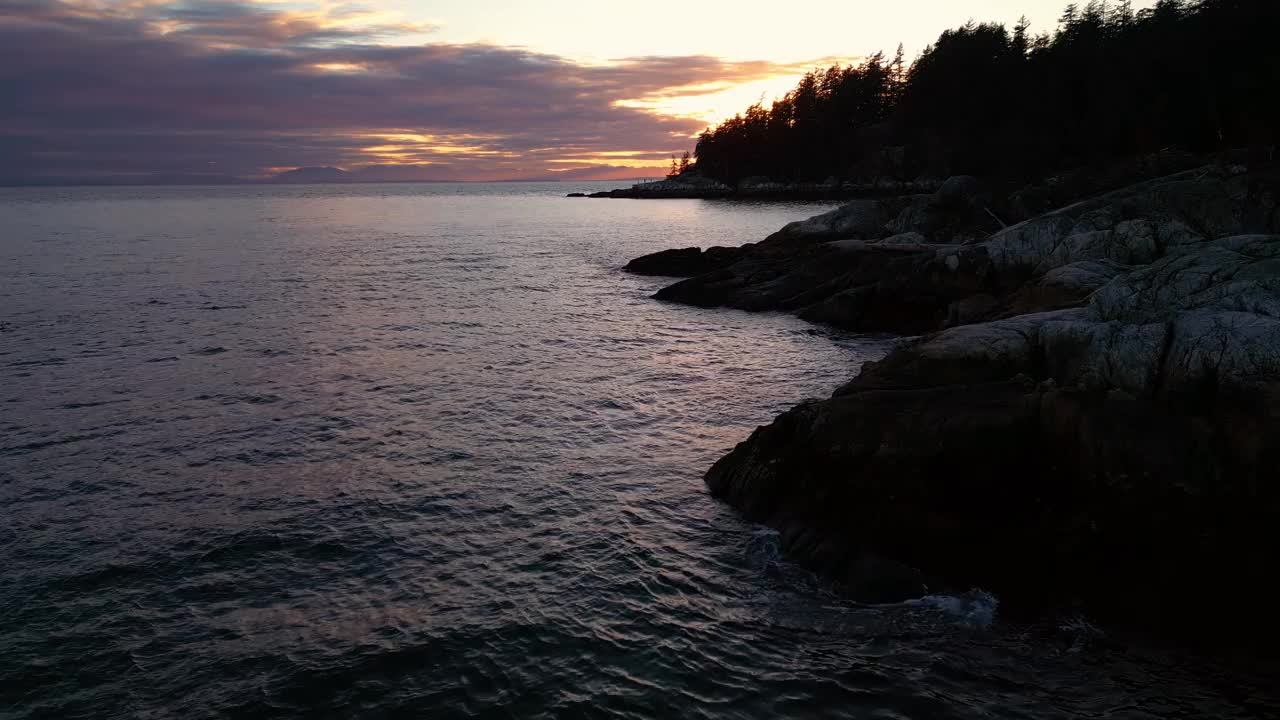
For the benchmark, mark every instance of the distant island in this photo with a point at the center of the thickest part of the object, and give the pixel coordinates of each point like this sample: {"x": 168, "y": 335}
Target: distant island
{"x": 1084, "y": 413}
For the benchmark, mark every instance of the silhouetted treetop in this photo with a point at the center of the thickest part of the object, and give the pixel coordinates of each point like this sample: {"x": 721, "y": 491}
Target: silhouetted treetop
{"x": 982, "y": 99}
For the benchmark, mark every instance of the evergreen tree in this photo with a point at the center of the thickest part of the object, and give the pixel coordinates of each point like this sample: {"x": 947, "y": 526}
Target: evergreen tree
{"x": 1108, "y": 83}
{"x": 1122, "y": 15}
{"x": 1021, "y": 43}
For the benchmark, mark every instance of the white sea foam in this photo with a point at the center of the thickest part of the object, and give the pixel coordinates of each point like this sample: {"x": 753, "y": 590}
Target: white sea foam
{"x": 764, "y": 547}
{"x": 976, "y": 608}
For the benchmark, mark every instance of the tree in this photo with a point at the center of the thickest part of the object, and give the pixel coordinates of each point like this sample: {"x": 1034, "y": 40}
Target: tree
{"x": 1021, "y": 43}
{"x": 685, "y": 162}
{"x": 898, "y": 71}
{"x": 1107, "y": 83}
{"x": 1067, "y": 21}
{"x": 1122, "y": 15}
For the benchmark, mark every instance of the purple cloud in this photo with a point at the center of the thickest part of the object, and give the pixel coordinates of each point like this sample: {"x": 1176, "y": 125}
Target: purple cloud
{"x": 234, "y": 88}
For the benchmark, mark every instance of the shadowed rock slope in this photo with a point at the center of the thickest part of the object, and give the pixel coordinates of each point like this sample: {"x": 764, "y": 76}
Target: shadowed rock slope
{"x": 1093, "y": 421}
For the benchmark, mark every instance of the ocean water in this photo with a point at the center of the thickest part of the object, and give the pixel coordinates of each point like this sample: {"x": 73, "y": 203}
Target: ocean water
{"x": 425, "y": 451}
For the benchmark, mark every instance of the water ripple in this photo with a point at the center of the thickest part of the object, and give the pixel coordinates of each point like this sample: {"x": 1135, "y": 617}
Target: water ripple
{"x": 371, "y": 451}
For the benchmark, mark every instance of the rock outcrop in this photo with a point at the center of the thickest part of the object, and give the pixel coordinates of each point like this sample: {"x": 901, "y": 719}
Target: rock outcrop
{"x": 1092, "y": 419}
{"x": 685, "y": 262}
{"x": 1123, "y": 457}
{"x": 693, "y": 186}
{"x": 959, "y": 210}
{"x": 679, "y": 187}
{"x": 896, "y": 276}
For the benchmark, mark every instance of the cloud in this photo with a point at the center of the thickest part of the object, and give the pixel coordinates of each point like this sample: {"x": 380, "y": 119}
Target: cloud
{"x": 230, "y": 87}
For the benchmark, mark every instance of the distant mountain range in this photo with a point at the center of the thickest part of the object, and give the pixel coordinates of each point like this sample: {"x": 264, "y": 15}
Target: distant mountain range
{"x": 315, "y": 175}
{"x": 374, "y": 173}
{"x": 415, "y": 173}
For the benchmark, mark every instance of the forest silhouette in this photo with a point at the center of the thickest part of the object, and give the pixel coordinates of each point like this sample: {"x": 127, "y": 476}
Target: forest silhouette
{"x": 986, "y": 100}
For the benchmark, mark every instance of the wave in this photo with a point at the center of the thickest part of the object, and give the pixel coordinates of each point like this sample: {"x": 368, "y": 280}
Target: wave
{"x": 976, "y": 608}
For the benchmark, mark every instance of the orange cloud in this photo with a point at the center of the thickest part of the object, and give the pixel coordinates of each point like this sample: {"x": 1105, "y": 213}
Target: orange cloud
{"x": 249, "y": 87}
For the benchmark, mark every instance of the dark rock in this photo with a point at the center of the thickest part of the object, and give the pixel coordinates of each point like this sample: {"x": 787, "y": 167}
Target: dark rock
{"x": 860, "y": 219}
{"x": 761, "y": 185}
{"x": 859, "y": 470}
{"x": 972, "y": 309}
{"x": 803, "y": 278}
{"x": 959, "y": 210}
{"x": 576, "y": 194}
{"x": 1098, "y": 426}
{"x": 845, "y": 269}
{"x": 964, "y": 190}
{"x": 1063, "y": 287}
{"x": 762, "y": 188}
{"x": 1124, "y": 456}
{"x": 685, "y": 262}
{"x": 870, "y": 287}
{"x": 681, "y": 187}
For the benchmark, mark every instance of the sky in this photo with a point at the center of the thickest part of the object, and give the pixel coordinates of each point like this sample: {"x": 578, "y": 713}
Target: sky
{"x": 416, "y": 89}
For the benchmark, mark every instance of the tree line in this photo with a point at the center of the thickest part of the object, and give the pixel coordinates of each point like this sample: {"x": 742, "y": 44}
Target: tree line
{"x": 1197, "y": 75}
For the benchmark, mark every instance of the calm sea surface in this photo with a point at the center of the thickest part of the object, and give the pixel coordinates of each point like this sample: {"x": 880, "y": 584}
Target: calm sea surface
{"x": 425, "y": 451}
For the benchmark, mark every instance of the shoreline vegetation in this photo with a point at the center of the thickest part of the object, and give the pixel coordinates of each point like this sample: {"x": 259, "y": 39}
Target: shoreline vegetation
{"x": 1007, "y": 106}
{"x": 1084, "y": 415}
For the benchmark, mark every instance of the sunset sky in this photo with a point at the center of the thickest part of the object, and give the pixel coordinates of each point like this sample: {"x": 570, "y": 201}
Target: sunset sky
{"x": 416, "y": 89}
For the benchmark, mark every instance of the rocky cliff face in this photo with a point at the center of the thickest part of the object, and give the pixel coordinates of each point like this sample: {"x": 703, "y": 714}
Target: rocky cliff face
{"x": 1093, "y": 419}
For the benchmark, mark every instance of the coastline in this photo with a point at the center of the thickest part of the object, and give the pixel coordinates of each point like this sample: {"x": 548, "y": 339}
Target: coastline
{"x": 682, "y": 189}
{"x": 1089, "y": 420}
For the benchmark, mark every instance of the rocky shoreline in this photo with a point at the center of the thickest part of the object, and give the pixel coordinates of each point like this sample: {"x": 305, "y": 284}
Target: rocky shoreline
{"x": 1088, "y": 421}
{"x": 697, "y": 188}
{"x": 1025, "y": 202}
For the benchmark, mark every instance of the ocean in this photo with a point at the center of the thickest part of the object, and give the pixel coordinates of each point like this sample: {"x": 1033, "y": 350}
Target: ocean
{"x": 426, "y": 451}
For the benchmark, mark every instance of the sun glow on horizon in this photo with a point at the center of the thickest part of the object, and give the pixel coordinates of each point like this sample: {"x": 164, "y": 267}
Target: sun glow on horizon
{"x": 597, "y": 161}
{"x": 719, "y": 104}
{"x": 338, "y": 67}
{"x": 473, "y": 88}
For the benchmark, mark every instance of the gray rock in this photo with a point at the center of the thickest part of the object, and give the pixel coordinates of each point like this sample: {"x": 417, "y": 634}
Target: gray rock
{"x": 972, "y": 309}
{"x": 957, "y": 211}
{"x": 1080, "y": 278}
{"x": 1135, "y": 224}
{"x": 964, "y": 189}
{"x": 1113, "y": 439}
{"x": 906, "y": 239}
{"x": 1239, "y": 274}
{"x": 1103, "y": 356}
{"x": 915, "y": 217}
{"x": 860, "y": 219}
